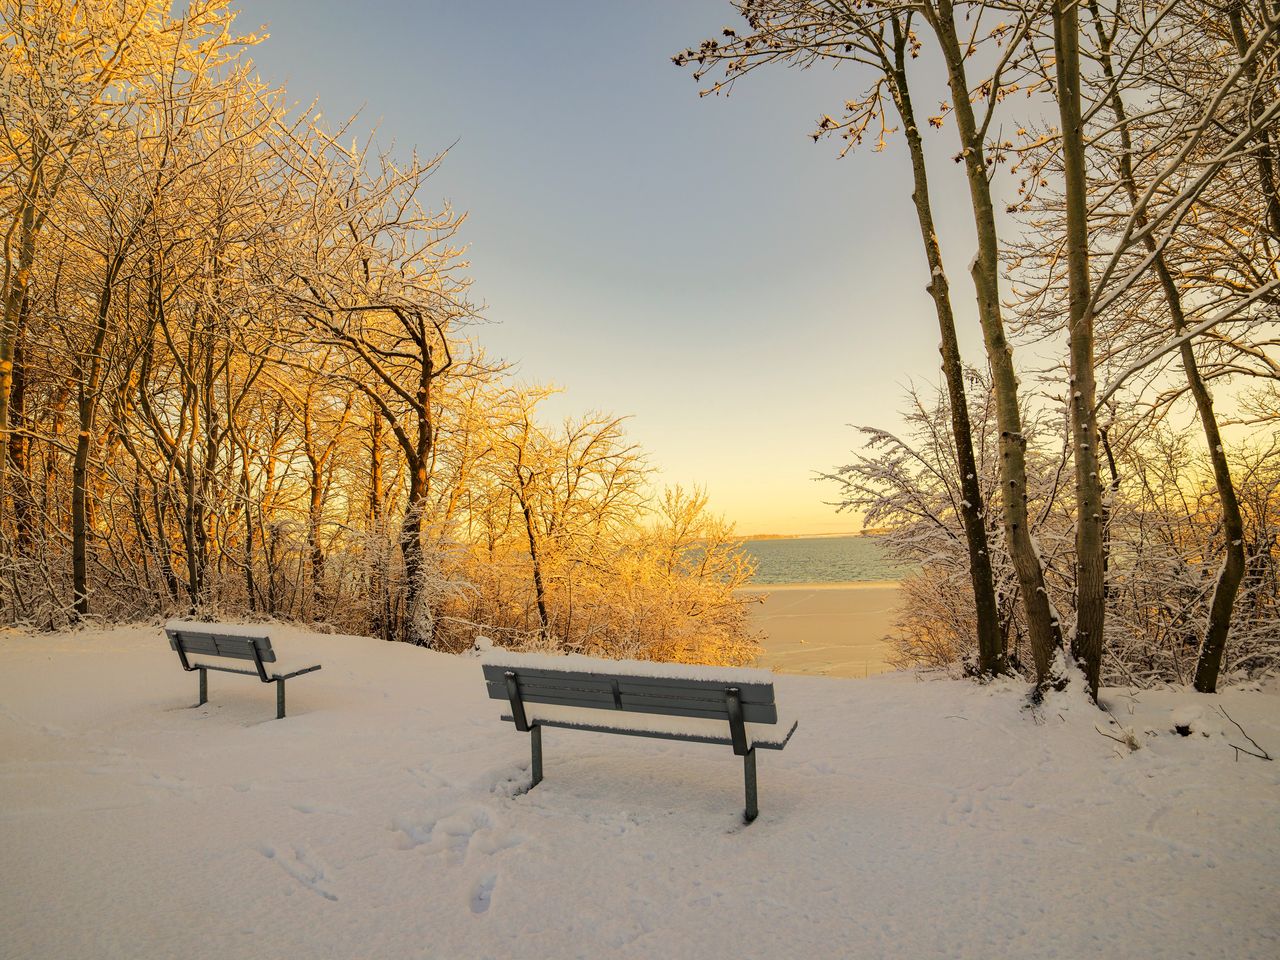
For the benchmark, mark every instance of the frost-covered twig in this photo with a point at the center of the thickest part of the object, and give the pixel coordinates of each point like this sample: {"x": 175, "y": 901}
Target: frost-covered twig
{"x": 1261, "y": 754}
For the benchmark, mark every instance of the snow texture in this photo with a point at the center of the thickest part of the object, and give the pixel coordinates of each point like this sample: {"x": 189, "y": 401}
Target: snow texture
{"x": 389, "y": 816}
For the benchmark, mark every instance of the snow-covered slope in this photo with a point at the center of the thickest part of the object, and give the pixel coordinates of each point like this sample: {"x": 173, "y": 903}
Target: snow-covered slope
{"x": 384, "y": 818}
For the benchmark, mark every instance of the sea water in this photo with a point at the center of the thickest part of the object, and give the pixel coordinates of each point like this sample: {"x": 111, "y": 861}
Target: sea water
{"x": 823, "y": 560}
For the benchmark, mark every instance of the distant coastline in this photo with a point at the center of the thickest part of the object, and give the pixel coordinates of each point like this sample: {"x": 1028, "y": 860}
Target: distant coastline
{"x": 834, "y": 559}
{"x": 869, "y": 532}
{"x": 751, "y": 588}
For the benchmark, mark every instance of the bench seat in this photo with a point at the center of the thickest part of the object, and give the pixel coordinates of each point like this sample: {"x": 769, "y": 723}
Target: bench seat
{"x": 228, "y": 641}
{"x": 694, "y": 729}
{"x": 718, "y": 705}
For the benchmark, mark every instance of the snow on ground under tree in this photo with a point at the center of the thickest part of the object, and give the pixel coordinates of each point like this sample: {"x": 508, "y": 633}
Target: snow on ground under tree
{"x": 384, "y": 818}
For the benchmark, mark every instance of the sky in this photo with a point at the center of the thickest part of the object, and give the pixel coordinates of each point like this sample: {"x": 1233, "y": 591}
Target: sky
{"x": 697, "y": 264}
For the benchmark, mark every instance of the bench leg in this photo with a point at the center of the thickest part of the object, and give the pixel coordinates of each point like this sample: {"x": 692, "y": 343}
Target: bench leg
{"x": 749, "y": 771}
{"x": 204, "y": 687}
{"x": 279, "y": 699}
{"x": 535, "y": 743}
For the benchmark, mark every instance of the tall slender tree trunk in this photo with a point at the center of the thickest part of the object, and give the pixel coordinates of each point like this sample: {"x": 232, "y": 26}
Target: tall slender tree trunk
{"x": 992, "y": 658}
{"x": 89, "y": 387}
{"x": 1267, "y": 157}
{"x": 1042, "y": 624}
{"x": 535, "y": 557}
{"x": 1228, "y": 584}
{"x": 193, "y": 520}
{"x": 314, "y": 511}
{"x": 79, "y": 510}
{"x": 379, "y": 587}
{"x": 419, "y": 487}
{"x": 375, "y": 467}
{"x": 1091, "y": 606}
{"x": 164, "y": 553}
{"x": 16, "y": 294}
{"x": 411, "y": 548}
{"x": 315, "y": 503}
{"x": 1232, "y": 572}
{"x": 19, "y": 451}
{"x": 270, "y": 534}
{"x": 246, "y": 498}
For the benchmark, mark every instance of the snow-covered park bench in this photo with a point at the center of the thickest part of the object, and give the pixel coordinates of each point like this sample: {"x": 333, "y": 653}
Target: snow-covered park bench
{"x": 229, "y": 642}
{"x": 668, "y": 701}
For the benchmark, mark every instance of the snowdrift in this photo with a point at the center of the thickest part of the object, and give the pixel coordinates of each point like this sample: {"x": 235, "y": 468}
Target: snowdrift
{"x": 385, "y": 817}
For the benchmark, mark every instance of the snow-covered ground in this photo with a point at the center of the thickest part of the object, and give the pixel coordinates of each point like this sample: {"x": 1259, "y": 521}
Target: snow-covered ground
{"x": 384, "y": 818}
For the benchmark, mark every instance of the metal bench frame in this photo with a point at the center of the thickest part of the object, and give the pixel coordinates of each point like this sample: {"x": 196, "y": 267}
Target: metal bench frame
{"x": 733, "y": 711}
{"x": 247, "y": 649}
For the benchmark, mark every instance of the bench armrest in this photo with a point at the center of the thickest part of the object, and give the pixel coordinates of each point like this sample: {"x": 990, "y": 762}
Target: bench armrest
{"x": 296, "y": 673}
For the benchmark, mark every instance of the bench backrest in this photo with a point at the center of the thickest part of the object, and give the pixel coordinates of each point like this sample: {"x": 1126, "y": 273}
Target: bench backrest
{"x": 669, "y": 696}
{"x": 211, "y": 643}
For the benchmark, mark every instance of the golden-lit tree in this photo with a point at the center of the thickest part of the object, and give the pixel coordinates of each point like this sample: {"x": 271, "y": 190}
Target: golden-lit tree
{"x": 241, "y": 378}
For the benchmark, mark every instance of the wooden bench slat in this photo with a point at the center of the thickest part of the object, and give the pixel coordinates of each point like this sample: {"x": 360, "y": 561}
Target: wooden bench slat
{"x": 601, "y": 687}
{"x": 750, "y": 692}
{"x": 762, "y": 744}
{"x": 212, "y": 643}
{"x": 694, "y": 694}
{"x": 196, "y": 644}
{"x": 670, "y": 707}
{"x": 571, "y": 698}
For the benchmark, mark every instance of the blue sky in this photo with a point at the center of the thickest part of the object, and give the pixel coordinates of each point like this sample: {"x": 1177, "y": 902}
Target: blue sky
{"x": 698, "y": 264}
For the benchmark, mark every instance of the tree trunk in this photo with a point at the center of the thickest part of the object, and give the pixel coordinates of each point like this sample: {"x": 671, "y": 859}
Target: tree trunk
{"x": 87, "y": 409}
{"x": 411, "y": 548}
{"x": 250, "y": 588}
{"x": 314, "y": 509}
{"x": 1233, "y": 568}
{"x": 1266, "y": 157}
{"x": 16, "y": 295}
{"x": 1042, "y": 624}
{"x": 539, "y": 589}
{"x": 991, "y": 653}
{"x": 379, "y": 586}
{"x": 419, "y": 459}
{"x": 20, "y": 446}
{"x": 1087, "y": 639}
{"x": 315, "y": 503}
{"x": 79, "y": 497}
{"x": 375, "y": 467}
{"x": 164, "y": 554}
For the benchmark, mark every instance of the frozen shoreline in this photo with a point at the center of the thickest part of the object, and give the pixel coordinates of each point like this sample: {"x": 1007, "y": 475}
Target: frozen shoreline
{"x": 826, "y": 629}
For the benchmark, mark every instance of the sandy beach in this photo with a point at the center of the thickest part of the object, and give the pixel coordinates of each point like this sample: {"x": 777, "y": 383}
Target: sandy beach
{"x": 829, "y": 629}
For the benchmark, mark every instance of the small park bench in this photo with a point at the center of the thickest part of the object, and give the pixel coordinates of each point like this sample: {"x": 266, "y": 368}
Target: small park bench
{"x": 218, "y": 640}
{"x": 619, "y": 697}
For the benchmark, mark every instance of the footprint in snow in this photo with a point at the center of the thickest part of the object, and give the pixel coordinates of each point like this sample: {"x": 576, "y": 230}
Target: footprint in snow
{"x": 319, "y": 806}
{"x": 173, "y": 784}
{"x": 482, "y": 893}
{"x": 507, "y": 781}
{"x": 455, "y": 833}
{"x": 303, "y": 866}
{"x": 426, "y": 778}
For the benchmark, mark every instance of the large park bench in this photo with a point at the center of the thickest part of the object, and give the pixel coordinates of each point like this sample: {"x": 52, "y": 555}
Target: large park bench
{"x": 668, "y": 701}
{"x": 228, "y": 642}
